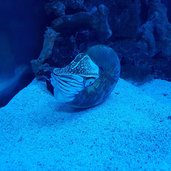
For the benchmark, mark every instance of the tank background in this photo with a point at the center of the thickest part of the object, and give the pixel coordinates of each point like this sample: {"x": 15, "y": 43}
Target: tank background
{"x": 23, "y": 22}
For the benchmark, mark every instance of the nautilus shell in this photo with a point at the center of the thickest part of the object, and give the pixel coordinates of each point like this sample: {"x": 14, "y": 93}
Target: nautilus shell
{"x": 89, "y": 79}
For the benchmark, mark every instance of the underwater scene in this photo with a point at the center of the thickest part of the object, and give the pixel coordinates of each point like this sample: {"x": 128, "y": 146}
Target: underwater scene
{"x": 85, "y": 85}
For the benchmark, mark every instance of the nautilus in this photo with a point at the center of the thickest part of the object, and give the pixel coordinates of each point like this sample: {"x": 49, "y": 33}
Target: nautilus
{"x": 89, "y": 79}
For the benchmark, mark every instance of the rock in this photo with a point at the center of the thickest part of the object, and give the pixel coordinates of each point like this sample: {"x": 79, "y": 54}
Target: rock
{"x": 138, "y": 30}
{"x": 96, "y": 19}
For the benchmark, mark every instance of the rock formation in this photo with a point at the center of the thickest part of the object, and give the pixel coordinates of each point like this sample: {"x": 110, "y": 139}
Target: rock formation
{"x": 138, "y": 30}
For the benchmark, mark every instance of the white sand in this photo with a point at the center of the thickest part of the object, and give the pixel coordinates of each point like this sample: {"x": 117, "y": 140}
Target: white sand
{"x": 129, "y": 132}
{"x": 159, "y": 90}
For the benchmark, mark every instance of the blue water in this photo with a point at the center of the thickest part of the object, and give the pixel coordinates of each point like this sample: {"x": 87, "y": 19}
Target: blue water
{"x": 129, "y": 131}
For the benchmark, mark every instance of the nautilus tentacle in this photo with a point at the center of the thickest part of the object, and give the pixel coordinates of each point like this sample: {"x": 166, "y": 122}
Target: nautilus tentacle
{"x": 88, "y": 79}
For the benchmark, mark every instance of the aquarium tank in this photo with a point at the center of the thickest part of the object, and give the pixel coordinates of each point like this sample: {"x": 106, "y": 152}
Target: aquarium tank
{"x": 85, "y": 85}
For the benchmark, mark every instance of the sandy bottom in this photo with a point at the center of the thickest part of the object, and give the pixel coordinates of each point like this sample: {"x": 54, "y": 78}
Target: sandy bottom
{"x": 131, "y": 131}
